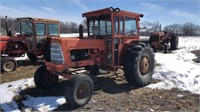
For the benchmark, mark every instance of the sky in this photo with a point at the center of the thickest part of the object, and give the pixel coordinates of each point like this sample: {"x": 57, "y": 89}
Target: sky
{"x": 164, "y": 11}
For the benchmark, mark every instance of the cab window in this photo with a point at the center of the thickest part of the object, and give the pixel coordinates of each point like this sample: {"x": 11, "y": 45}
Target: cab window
{"x": 100, "y": 26}
{"x": 121, "y": 25}
{"x": 41, "y": 29}
{"x": 116, "y": 24}
{"x": 53, "y": 29}
{"x": 130, "y": 27}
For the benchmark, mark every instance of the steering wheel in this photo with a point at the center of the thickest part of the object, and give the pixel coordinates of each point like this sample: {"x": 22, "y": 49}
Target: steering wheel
{"x": 28, "y": 34}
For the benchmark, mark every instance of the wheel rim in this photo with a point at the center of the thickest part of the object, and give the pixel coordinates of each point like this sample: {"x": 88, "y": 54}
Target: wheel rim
{"x": 82, "y": 90}
{"x": 9, "y": 65}
{"x": 144, "y": 65}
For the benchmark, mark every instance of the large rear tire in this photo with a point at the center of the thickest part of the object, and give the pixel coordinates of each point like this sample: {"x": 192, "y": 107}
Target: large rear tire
{"x": 32, "y": 57}
{"x": 79, "y": 91}
{"x": 139, "y": 65}
{"x": 44, "y": 79}
{"x": 8, "y": 64}
{"x": 174, "y": 42}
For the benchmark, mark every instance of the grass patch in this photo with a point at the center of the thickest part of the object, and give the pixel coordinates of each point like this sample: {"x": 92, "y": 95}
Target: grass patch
{"x": 195, "y": 51}
{"x": 158, "y": 64}
{"x": 195, "y": 60}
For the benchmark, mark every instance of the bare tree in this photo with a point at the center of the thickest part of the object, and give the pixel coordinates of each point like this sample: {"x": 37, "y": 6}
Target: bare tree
{"x": 175, "y": 28}
{"x": 73, "y": 27}
{"x": 156, "y": 26}
{"x": 147, "y": 25}
{"x": 84, "y": 23}
{"x": 189, "y": 29}
{"x": 12, "y": 24}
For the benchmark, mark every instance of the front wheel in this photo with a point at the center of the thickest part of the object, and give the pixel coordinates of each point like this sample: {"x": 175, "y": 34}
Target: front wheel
{"x": 139, "y": 66}
{"x": 44, "y": 79}
{"x": 79, "y": 91}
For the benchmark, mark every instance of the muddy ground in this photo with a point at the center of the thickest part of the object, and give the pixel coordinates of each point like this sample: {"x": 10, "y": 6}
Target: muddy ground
{"x": 112, "y": 93}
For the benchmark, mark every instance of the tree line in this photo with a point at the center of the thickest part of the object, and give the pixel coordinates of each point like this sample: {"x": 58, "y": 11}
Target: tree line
{"x": 186, "y": 29}
{"x": 65, "y": 27}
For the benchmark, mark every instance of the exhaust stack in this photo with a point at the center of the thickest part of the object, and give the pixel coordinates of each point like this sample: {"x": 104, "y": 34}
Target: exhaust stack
{"x": 6, "y": 25}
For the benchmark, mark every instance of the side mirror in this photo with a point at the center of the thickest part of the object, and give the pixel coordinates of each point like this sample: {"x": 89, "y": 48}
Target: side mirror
{"x": 141, "y": 15}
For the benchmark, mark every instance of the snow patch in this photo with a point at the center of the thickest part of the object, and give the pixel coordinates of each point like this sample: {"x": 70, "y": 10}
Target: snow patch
{"x": 44, "y": 104}
{"x": 178, "y": 70}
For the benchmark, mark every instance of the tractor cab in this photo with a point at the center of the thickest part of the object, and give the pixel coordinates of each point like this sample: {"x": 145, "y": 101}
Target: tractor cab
{"x": 116, "y": 27}
{"x": 37, "y": 31}
{"x": 33, "y": 39}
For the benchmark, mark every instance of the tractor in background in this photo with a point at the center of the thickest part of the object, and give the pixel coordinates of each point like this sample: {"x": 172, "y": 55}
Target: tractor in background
{"x": 113, "y": 43}
{"x": 34, "y": 39}
{"x": 163, "y": 40}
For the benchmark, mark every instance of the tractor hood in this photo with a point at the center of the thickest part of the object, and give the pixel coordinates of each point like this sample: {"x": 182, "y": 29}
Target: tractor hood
{"x": 77, "y": 43}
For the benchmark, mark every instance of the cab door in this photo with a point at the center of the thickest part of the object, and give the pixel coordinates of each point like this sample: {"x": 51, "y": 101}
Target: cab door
{"x": 41, "y": 35}
{"x": 125, "y": 29}
{"x": 118, "y": 38}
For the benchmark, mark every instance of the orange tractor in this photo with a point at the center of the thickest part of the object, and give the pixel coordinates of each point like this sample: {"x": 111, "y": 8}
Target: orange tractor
{"x": 33, "y": 38}
{"x": 163, "y": 41}
{"x": 113, "y": 42}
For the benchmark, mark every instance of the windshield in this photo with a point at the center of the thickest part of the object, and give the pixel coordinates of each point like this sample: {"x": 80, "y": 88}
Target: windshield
{"x": 53, "y": 29}
{"x": 100, "y": 26}
{"x": 26, "y": 28}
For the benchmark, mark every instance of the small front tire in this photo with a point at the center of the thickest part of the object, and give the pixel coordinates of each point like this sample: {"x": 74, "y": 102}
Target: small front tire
{"x": 79, "y": 91}
{"x": 44, "y": 79}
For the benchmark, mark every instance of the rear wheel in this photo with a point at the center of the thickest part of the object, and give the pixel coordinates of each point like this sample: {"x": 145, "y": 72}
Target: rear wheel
{"x": 174, "y": 42}
{"x": 139, "y": 65}
{"x": 166, "y": 48}
{"x": 79, "y": 91}
{"x": 8, "y": 64}
{"x": 44, "y": 79}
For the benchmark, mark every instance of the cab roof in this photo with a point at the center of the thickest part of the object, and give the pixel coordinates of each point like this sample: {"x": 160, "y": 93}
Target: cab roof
{"x": 108, "y": 11}
{"x": 37, "y": 19}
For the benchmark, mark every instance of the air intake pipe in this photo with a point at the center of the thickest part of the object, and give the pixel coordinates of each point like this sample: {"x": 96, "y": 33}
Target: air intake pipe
{"x": 81, "y": 31}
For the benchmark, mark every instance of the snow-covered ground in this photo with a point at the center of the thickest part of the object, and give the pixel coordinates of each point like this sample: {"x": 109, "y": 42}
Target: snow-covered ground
{"x": 73, "y": 35}
{"x": 177, "y": 70}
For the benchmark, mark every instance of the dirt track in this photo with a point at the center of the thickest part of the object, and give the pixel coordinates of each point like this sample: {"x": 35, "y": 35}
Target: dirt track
{"x": 112, "y": 93}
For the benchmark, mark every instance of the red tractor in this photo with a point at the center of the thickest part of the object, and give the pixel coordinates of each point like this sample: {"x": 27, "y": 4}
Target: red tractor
{"x": 113, "y": 43}
{"x": 34, "y": 39}
{"x": 163, "y": 41}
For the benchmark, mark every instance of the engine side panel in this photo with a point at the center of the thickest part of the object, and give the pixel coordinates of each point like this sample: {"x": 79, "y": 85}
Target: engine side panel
{"x": 79, "y": 52}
